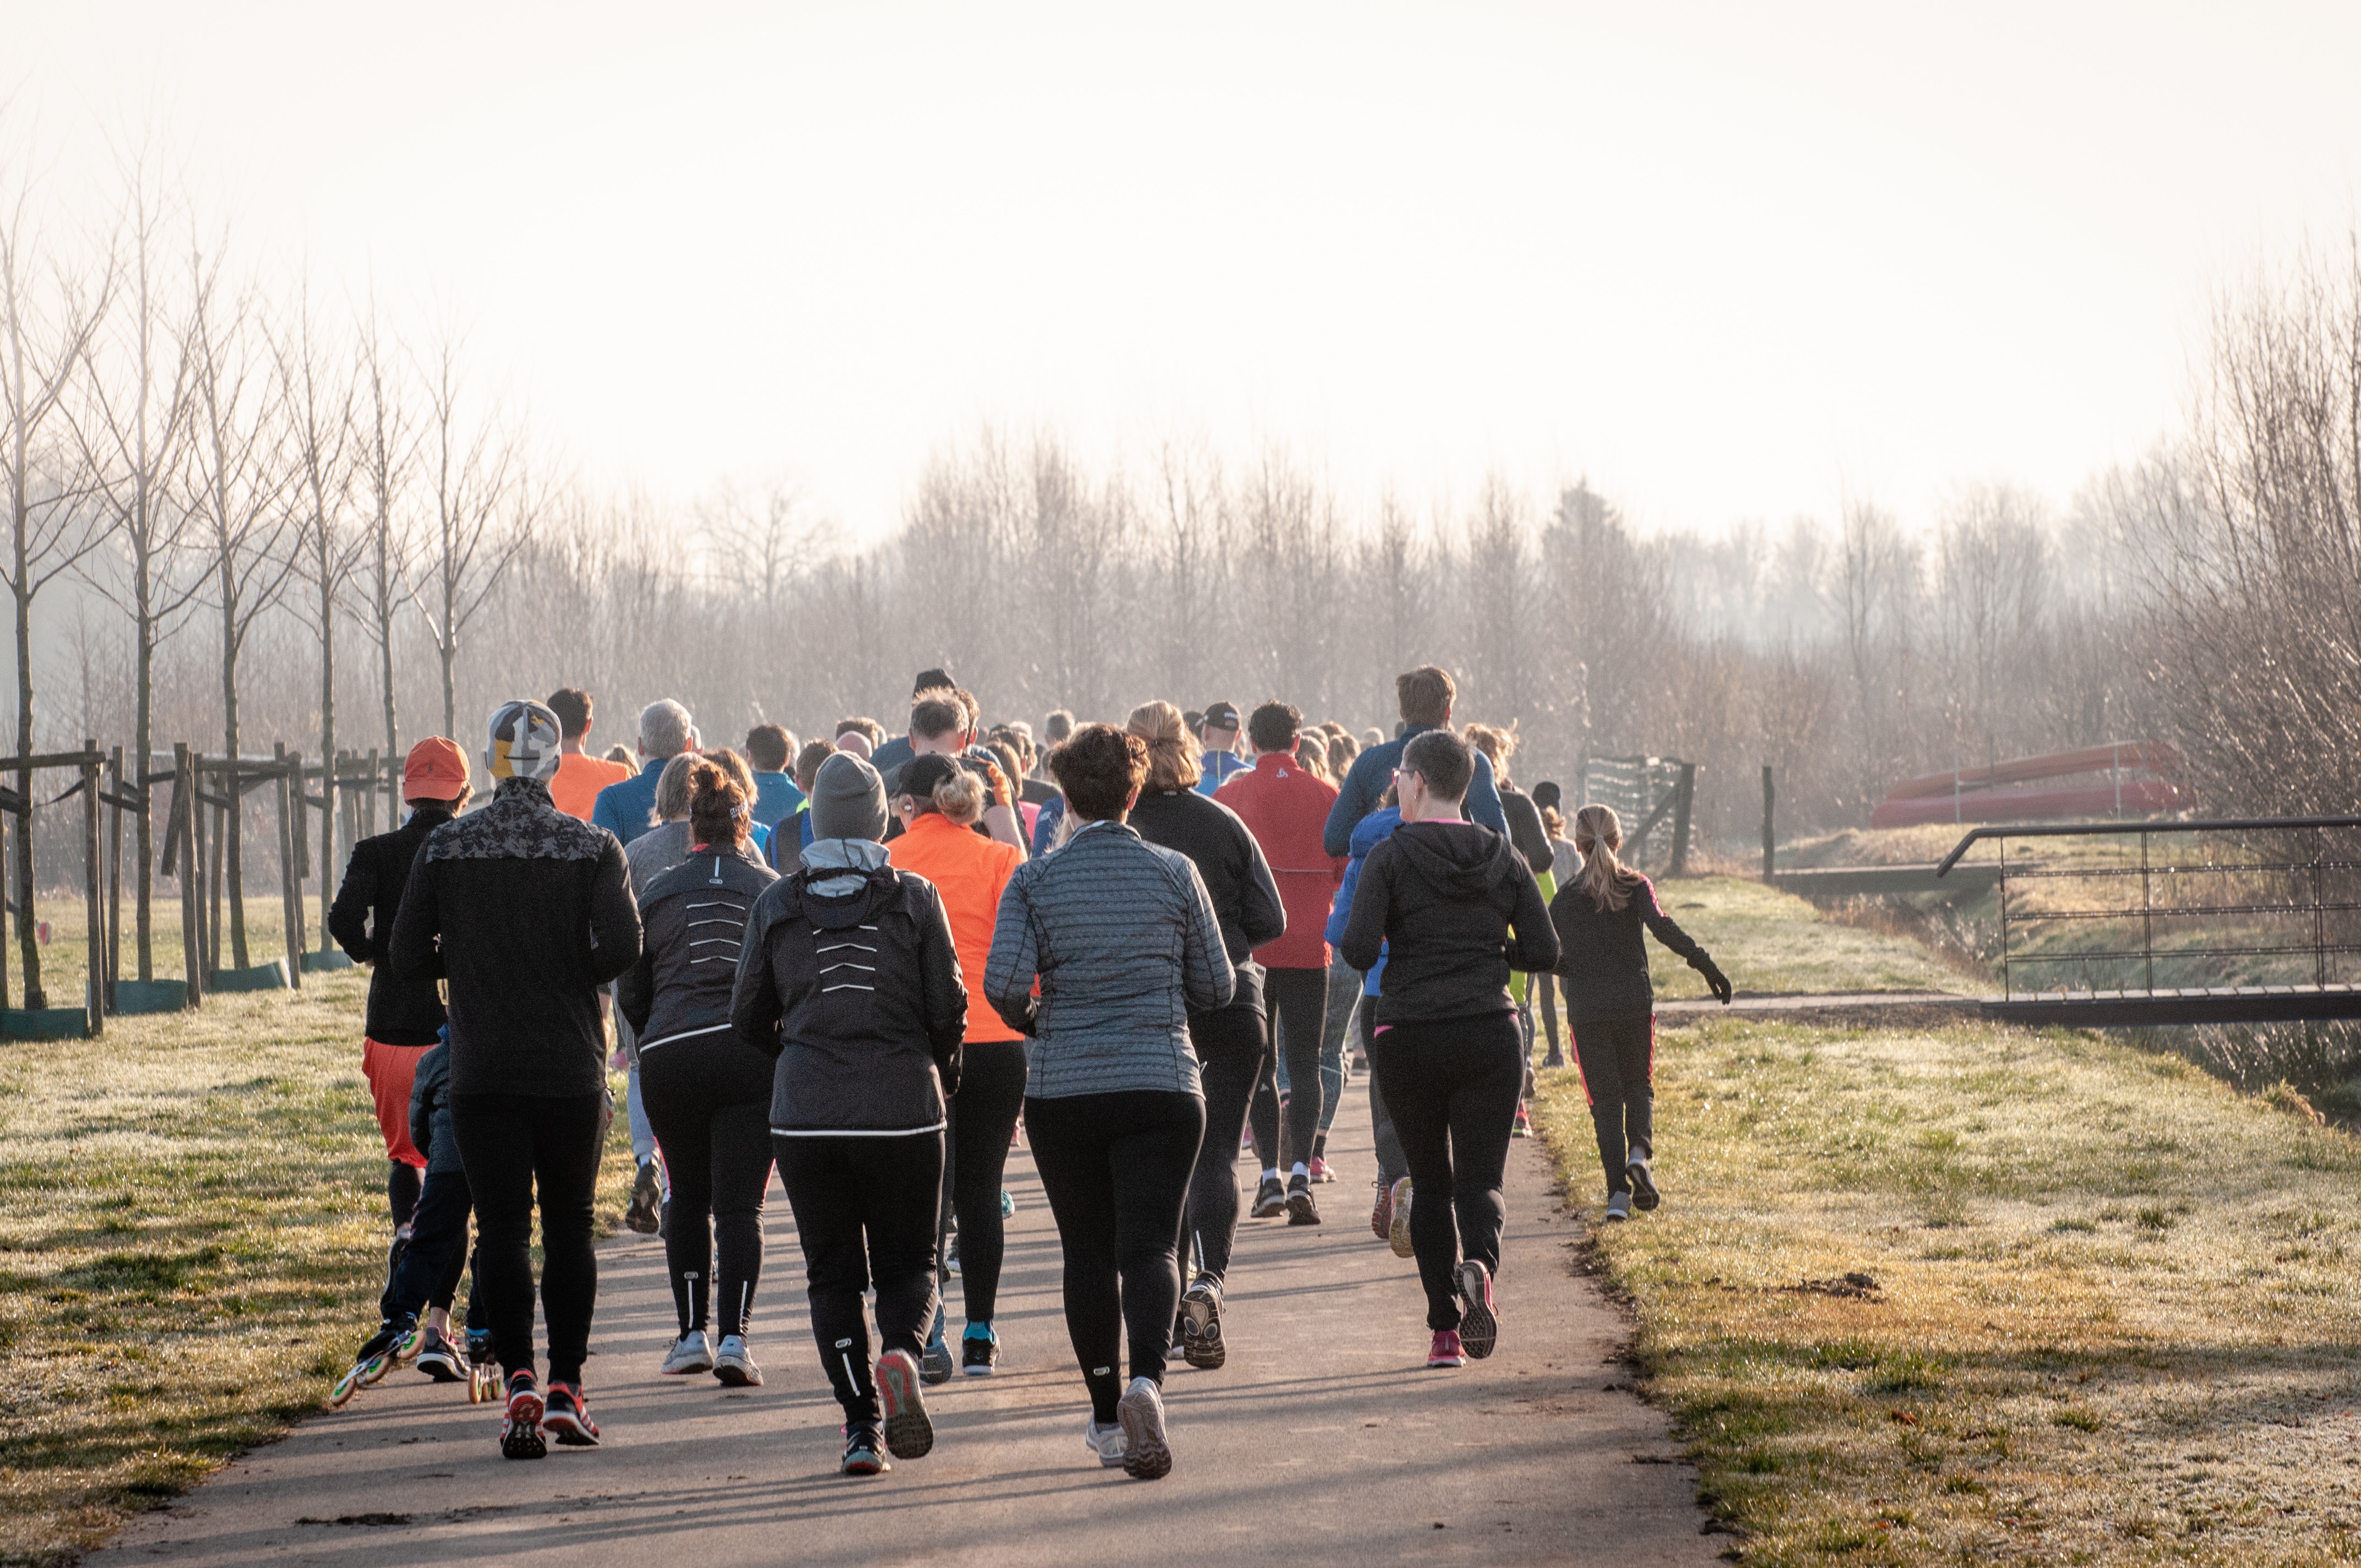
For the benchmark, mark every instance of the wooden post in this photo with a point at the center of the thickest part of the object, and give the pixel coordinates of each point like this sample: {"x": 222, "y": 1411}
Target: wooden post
{"x": 1770, "y": 839}
{"x": 1682, "y": 800}
{"x": 329, "y": 858}
{"x": 369, "y": 813}
{"x": 291, "y": 887}
{"x": 4, "y": 825}
{"x": 95, "y": 986}
{"x": 213, "y": 862}
{"x": 192, "y": 864}
{"x": 115, "y": 878}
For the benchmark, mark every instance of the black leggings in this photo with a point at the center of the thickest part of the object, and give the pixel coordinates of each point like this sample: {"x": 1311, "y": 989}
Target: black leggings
{"x": 1451, "y": 1085}
{"x": 1391, "y": 1167}
{"x": 1116, "y": 1168}
{"x": 708, "y": 1099}
{"x": 428, "y": 1273}
{"x": 510, "y": 1143}
{"x": 403, "y": 1184}
{"x": 1297, "y": 1002}
{"x": 1616, "y": 1058}
{"x": 982, "y": 1124}
{"x": 865, "y": 1211}
{"x": 1232, "y": 1049}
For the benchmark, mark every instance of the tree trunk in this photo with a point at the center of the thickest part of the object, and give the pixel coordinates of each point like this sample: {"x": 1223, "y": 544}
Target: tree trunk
{"x": 447, "y": 647}
{"x": 327, "y": 746}
{"x": 142, "y": 741}
{"x": 28, "y": 947}
{"x": 231, "y": 838}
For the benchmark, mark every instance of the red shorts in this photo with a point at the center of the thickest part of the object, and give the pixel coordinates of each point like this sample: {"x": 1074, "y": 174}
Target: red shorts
{"x": 390, "y": 1070}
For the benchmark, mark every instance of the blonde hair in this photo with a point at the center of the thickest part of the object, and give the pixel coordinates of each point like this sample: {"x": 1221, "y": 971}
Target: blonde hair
{"x": 1171, "y": 752}
{"x": 1598, "y": 834}
{"x": 1498, "y": 742}
{"x": 960, "y": 798}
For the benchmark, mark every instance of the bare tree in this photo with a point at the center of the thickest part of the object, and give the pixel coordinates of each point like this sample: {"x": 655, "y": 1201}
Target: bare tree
{"x": 386, "y": 444}
{"x": 50, "y": 307}
{"x": 485, "y": 507}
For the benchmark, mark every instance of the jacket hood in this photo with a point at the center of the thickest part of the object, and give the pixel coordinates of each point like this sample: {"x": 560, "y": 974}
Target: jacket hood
{"x": 1376, "y": 825}
{"x": 1459, "y": 856}
{"x": 841, "y": 879}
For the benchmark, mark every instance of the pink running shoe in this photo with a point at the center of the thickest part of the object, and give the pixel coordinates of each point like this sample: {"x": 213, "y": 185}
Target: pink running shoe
{"x": 1445, "y": 1352}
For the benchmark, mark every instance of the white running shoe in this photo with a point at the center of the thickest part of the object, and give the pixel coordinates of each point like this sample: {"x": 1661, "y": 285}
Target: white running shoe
{"x": 689, "y": 1353}
{"x": 1147, "y": 1456}
{"x": 1108, "y": 1442}
{"x": 1619, "y": 1207}
{"x": 733, "y": 1364}
{"x": 1642, "y": 1178}
{"x": 1397, "y": 1231}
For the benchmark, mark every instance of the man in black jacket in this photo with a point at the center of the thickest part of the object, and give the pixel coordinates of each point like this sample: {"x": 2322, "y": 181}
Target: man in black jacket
{"x": 526, "y": 912}
{"x": 405, "y": 1016}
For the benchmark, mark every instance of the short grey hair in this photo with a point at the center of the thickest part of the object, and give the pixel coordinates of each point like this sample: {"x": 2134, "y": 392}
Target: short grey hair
{"x": 664, "y": 728}
{"x": 671, "y": 788}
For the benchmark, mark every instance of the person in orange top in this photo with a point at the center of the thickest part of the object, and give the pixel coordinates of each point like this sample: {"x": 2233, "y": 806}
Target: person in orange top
{"x": 1286, "y": 808}
{"x": 581, "y": 775}
{"x": 940, "y": 804}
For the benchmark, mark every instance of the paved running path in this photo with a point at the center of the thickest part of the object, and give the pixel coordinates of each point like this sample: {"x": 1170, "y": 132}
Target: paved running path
{"x": 1324, "y": 1433}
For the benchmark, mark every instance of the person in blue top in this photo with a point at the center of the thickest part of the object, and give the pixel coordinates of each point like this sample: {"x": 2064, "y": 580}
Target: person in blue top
{"x": 1222, "y": 762}
{"x": 891, "y": 754}
{"x": 1425, "y": 695}
{"x": 776, "y": 798}
{"x": 1390, "y": 1218}
{"x": 628, "y": 808}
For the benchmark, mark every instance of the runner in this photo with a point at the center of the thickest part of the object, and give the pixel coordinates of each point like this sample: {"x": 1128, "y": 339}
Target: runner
{"x": 1287, "y": 809}
{"x": 405, "y": 1016}
{"x": 1232, "y": 1041}
{"x": 850, "y": 980}
{"x": 769, "y": 748}
{"x": 627, "y": 807}
{"x": 533, "y": 913}
{"x": 942, "y": 723}
{"x": 1453, "y": 908}
{"x": 886, "y": 755}
{"x": 581, "y": 775}
{"x": 1532, "y": 840}
{"x": 1611, "y": 1006}
{"x": 1566, "y": 865}
{"x": 939, "y": 805}
{"x": 708, "y": 1091}
{"x": 1126, "y": 945}
{"x": 1389, "y": 1217}
{"x": 1221, "y": 762}
{"x": 1426, "y": 696}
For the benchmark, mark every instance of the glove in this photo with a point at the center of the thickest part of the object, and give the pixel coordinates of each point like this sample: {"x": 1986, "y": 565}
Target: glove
{"x": 996, "y": 781}
{"x": 1715, "y": 980}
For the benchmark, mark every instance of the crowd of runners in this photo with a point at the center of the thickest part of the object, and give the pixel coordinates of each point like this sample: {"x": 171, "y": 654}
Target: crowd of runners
{"x": 875, "y": 965}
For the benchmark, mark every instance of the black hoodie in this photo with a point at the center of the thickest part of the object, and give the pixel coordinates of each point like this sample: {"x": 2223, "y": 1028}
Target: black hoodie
{"x": 1453, "y": 908}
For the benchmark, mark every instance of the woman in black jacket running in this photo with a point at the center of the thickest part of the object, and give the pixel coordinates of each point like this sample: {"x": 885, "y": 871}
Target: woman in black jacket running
{"x": 1453, "y": 908}
{"x": 1610, "y": 1007}
{"x": 850, "y": 980}
{"x": 707, "y": 1092}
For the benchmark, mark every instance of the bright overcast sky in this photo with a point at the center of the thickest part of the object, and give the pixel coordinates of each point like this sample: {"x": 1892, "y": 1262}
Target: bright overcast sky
{"x": 1728, "y": 261}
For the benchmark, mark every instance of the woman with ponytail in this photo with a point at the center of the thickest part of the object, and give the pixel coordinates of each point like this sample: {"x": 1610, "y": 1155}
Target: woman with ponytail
{"x": 939, "y": 805}
{"x": 707, "y": 1092}
{"x": 1610, "y": 1007}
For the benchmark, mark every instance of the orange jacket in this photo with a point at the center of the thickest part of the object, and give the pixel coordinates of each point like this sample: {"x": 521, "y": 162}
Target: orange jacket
{"x": 970, "y": 872}
{"x": 1286, "y": 809}
{"x": 579, "y": 779}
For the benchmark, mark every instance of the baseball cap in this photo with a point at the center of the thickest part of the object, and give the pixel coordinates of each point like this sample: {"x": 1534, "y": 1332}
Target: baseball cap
{"x": 1221, "y": 715}
{"x": 435, "y": 769}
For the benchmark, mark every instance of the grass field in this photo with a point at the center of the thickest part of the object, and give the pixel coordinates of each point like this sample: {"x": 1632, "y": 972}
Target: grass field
{"x": 192, "y": 1235}
{"x": 1978, "y": 1295}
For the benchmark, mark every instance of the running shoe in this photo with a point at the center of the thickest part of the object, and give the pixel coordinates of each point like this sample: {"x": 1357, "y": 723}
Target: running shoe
{"x": 979, "y": 1352}
{"x": 1320, "y": 1171}
{"x": 647, "y": 1196}
{"x": 1270, "y": 1198}
{"x": 909, "y": 1432}
{"x": 864, "y": 1452}
{"x": 936, "y": 1368}
{"x": 1445, "y": 1350}
{"x": 733, "y": 1364}
{"x": 690, "y": 1354}
{"x": 1619, "y": 1207}
{"x": 1479, "y": 1330}
{"x": 1397, "y": 1231}
{"x": 520, "y": 1431}
{"x": 1524, "y": 1127}
{"x": 951, "y": 1256}
{"x": 567, "y": 1417}
{"x": 439, "y": 1358}
{"x": 1107, "y": 1442}
{"x": 1201, "y": 1345}
{"x": 1007, "y": 1203}
{"x": 1381, "y": 1213}
{"x": 1643, "y": 1183}
{"x": 1147, "y": 1456}
{"x": 1300, "y": 1207}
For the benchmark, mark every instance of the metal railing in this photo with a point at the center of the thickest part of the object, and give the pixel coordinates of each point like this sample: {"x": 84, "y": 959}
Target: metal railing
{"x": 2246, "y": 917}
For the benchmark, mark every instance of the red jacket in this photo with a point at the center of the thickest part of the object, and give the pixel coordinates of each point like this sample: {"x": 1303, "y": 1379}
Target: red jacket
{"x": 1286, "y": 808}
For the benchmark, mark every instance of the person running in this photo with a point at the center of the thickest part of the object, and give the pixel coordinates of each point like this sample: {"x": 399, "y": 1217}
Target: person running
{"x": 1453, "y": 908}
{"x": 525, "y": 912}
{"x": 1389, "y": 1217}
{"x": 848, "y": 980}
{"x": 1610, "y": 1006}
{"x": 885, "y": 755}
{"x": 939, "y": 805}
{"x": 1426, "y": 696}
{"x": 769, "y": 748}
{"x": 943, "y": 723}
{"x": 1122, "y": 939}
{"x": 1221, "y": 763}
{"x": 707, "y": 1092}
{"x": 581, "y": 775}
{"x": 1566, "y": 865}
{"x": 405, "y": 1018}
{"x": 1286, "y": 808}
{"x": 1497, "y": 745}
{"x": 1232, "y": 1042}
{"x": 627, "y": 807}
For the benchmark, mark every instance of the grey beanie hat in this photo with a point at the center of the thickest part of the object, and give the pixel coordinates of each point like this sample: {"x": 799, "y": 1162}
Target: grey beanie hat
{"x": 848, "y": 799}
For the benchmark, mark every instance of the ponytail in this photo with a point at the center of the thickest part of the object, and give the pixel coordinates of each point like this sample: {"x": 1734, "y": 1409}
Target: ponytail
{"x": 1173, "y": 762}
{"x": 717, "y": 810}
{"x": 1598, "y": 833}
{"x": 960, "y": 797}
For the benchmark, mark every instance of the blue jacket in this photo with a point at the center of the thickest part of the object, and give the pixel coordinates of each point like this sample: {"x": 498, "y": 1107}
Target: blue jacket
{"x": 1045, "y": 825}
{"x": 430, "y": 1110}
{"x": 1373, "y": 828}
{"x": 1220, "y": 768}
{"x": 775, "y": 798}
{"x": 627, "y": 807}
{"x": 1373, "y": 774}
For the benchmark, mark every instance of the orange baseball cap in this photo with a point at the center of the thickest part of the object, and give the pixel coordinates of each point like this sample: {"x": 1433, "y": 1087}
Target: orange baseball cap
{"x": 435, "y": 770}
